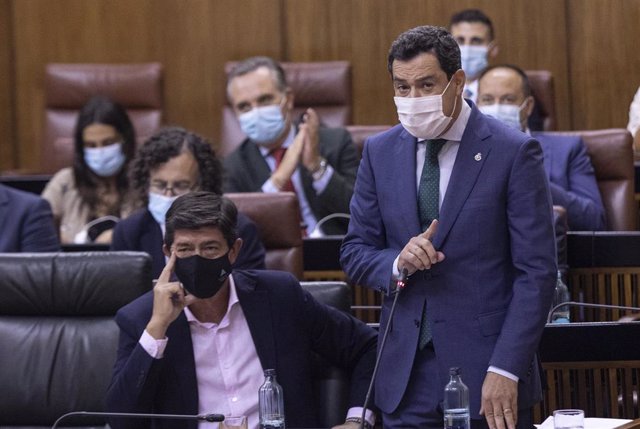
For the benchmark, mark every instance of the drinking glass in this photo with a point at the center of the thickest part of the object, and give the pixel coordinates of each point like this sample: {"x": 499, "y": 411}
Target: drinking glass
{"x": 568, "y": 419}
{"x": 234, "y": 422}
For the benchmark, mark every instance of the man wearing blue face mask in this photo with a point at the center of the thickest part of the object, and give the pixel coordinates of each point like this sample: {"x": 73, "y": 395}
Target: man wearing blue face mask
{"x": 319, "y": 164}
{"x": 200, "y": 344}
{"x": 458, "y": 203}
{"x": 504, "y": 93}
{"x": 171, "y": 163}
{"x": 473, "y": 30}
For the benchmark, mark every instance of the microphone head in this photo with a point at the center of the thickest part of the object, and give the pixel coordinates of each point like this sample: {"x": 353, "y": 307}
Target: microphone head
{"x": 213, "y": 417}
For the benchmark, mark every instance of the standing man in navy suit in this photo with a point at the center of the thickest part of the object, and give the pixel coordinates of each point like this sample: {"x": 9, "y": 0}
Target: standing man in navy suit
{"x": 459, "y": 201}
{"x": 505, "y": 93}
{"x": 26, "y": 223}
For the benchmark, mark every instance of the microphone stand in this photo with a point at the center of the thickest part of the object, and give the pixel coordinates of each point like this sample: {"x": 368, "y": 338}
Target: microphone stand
{"x": 201, "y": 417}
{"x": 589, "y": 305}
{"x": 400, "y": 284}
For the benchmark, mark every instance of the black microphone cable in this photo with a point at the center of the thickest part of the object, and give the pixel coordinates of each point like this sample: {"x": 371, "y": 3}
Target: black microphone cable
{"x": 400, "y": 284}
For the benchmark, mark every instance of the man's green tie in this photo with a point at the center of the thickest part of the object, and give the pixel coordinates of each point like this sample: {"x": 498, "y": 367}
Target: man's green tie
{"x": 429, "y": 208}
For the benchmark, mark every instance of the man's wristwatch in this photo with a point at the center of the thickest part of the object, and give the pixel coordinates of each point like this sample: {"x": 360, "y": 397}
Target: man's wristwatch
{"x": 358, "y": 420}
{"x": 319, "y": 172}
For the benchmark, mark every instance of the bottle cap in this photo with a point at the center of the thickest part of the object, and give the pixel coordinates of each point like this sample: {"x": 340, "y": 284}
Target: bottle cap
{"x": 268, "y": 372}
{"x": 454, "y": 370}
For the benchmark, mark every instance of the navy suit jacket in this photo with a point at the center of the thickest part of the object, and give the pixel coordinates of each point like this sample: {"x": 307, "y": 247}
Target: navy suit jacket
{"x": 247, "y": 170}
{"x": 286, "y": 324}
{"x": 572, "y": 181}
{"x": 26, "y": 223}
{"x": 488, "y": 300}
{"x": 142, "y": 233}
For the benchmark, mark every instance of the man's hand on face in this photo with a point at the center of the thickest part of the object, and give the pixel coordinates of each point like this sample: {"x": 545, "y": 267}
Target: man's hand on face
{"x": 310, "y": 153}
{"x": 169, "y": 299}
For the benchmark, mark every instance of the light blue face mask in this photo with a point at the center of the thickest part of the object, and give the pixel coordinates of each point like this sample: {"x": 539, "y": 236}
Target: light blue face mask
{"x": 508, "y": 114}
{"x": 262, "y": 124}
{"x": 105, "y": 161}
{"x": 159, "y": 206}
{"x": 474, "y": 59}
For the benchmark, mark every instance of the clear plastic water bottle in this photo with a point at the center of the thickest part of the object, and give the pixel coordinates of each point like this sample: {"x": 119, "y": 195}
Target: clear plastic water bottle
{"x": 561, "y": 294}
{"x": 456, "y": 402}
{"x": 271, "y": 402}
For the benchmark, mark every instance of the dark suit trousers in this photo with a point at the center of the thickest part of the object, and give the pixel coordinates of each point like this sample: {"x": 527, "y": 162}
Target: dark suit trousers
{"x": 421, "y": 408}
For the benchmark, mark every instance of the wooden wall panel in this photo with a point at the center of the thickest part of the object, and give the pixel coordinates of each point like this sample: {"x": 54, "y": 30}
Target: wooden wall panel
{"x": 362, "y": 31}
{"x": 604, "y": 61}
{"x": 7, "y": 142}
{"x": 192, "y": 39}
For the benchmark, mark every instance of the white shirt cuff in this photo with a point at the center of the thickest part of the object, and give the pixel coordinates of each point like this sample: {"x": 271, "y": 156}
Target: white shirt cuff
{"x": 321, "y": 184}
{"x": 395, "y": 273}
{"x": 154, "y": 347}
{"x": 503, "y": 373}
{"x": 268, "y": 187}
{"x": 369, "y": 416}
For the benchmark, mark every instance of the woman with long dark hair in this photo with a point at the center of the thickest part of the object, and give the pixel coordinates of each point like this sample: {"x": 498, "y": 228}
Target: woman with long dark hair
{"x": 97, "y": 185}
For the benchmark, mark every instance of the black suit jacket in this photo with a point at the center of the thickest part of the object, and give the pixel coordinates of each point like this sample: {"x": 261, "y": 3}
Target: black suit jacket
{"x": 141, "y": 232}
{"x": 286, "y": 324}
{"x": 247, "y": 170}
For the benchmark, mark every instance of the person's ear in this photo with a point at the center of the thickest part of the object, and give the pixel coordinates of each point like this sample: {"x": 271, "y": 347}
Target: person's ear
{"x": 530, "y": 102}
{"x": 234, "y": 251}
{"x": 492, "y": 49}
{"x": 166, "y": 251}
{"x": 459, "y": 79}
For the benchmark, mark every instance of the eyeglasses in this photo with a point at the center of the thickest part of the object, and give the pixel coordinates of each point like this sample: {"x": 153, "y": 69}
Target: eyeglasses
{"x": 176, "y": 188}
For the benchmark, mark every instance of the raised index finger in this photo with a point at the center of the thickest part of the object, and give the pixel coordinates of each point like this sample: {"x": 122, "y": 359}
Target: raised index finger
{"x": 431, "y": 231}
{"x": 165, "y": 275}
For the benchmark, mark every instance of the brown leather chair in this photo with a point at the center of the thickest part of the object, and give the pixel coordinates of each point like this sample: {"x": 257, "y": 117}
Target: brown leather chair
{"x": 278, "y": 218}
{"x": 611, "y": 152}
{"x": 541, "y": 82}
{"x": 324, "y": 86}
{"x": 359, "y": 133}
{"x": 137, "y": 87}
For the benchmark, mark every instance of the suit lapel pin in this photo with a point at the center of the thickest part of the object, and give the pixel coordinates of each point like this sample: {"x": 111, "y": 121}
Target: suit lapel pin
{"x": 478, "y": 156}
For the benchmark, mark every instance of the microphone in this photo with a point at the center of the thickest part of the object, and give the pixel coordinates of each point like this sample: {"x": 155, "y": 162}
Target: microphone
{"x": 401, "y": 283}
{"x": 200, "y": 417}
{"x": 588, "y": 305}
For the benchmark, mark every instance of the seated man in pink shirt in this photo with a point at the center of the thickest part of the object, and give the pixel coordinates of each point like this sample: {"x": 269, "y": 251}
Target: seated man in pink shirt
{"x": 200, "y": 345}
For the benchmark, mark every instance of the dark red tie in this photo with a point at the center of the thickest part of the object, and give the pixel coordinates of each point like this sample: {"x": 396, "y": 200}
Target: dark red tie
{"x": 278, "y": 154}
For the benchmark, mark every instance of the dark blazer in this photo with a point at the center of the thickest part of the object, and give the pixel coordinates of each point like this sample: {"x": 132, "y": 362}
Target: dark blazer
{"x": 572, "y": 181}
{"x": 286, "y": 323}
{"x": 488, "y": 300}
{"x": 26, "y": 223}
{"x": 247, "y": 170}
{"x": 141, "y": 232}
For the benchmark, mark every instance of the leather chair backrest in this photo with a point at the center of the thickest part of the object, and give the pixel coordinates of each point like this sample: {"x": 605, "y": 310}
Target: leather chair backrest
{"x": 611, "y": 153}
{"x": 277, "y": 216}
{"x": 541, "y": 82}
{"x": 331, "y": 384}
{"x": 59, "y": 340}
{"x": 359, "y": 133}
{"x": 137, "y": 87}
{"x": 324, "y": 86}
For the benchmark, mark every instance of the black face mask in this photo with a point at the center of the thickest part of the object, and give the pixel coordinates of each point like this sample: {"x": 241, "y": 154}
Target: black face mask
{"x": 203, "y": 277}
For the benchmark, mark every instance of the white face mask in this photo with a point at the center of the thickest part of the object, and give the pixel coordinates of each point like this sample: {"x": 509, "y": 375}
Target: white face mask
{"x": 474, "y": 59}
{"x": 105, "y": 161}
{"x": 508, "y": 114}
{"x": 263, "y": 124}
{"x": 423, "y": 117}
{"x": 159, "y": 206}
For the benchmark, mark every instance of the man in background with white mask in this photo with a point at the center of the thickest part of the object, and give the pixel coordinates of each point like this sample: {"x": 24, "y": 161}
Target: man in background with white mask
{"x": 319, "y": 164}
{"x": 174, "y": 162}
{"x": 459, "y": 203}
{"x": 473, "y": 30}
{"x": 505, "y": 94}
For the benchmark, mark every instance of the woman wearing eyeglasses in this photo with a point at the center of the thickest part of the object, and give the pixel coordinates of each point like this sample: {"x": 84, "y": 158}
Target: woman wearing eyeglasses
{"x": 171, "y": 163}
{"x": 96, "y": 185}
